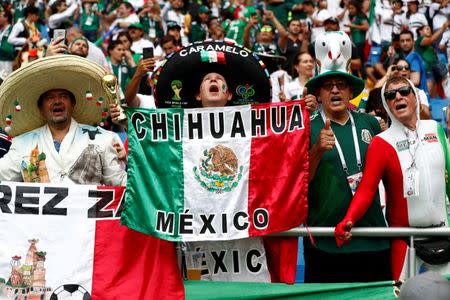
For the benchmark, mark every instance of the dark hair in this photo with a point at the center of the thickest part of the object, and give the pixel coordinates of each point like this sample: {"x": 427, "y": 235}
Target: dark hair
{"x": 128, "y": 5}
{"x": 125, "y": 34}
{"x": 406, "y": 31}
{"x": 41, "y": 97}
{"x": 212, "y": 18}
{"x": 7, "y": 14}
{"x": 356, "y": 4}
{"x": 168, "y": 38}
{"x": 375, "y": 104}
{"x": 418, "y": 30}
{"x": 292, "y": 20}
{"x": 55, "y": 5}
{"x": 31, "y": 10}
{"x": 112, "y": 44}
{"x": 403, "y": 59}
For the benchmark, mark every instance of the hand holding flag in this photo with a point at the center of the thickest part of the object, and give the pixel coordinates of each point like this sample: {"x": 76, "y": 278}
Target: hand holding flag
{"x": 310, "y": 100}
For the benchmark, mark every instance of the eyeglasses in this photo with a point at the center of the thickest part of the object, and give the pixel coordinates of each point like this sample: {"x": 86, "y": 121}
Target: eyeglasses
{"x": 404, "y": 91}
{"x": 266, "y": 29}
{"x": 341, "y": 85}
{"x": 401, "y": 68}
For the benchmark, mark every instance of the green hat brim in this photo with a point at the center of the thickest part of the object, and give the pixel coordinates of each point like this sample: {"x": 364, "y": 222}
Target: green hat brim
{"x": 356, "y": 83}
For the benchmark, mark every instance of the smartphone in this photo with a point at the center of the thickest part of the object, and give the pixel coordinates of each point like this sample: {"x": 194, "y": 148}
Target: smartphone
{"x": 147, "y": 52}
{"x": 57, "y": 33}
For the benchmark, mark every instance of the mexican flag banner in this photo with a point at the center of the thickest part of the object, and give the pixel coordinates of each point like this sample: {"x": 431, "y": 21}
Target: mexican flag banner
{"x": 217, "y": 173}
{"x": 65, "y": 242}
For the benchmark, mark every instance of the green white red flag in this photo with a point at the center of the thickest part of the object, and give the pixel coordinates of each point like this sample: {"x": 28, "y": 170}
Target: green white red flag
{"x": 65, "y": 242}
{"x": 217, "y": 173}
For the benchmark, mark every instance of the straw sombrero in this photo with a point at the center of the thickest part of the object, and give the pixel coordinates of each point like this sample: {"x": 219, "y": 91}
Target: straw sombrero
{"x": 333, "y": 51}
{"x": 20, "y": 91}
{"x": 244, "y": 72}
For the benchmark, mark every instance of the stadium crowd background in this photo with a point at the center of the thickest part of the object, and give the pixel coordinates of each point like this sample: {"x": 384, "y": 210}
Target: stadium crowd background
{"x": 390, "y": 38}
{"x": 277, "y": 29}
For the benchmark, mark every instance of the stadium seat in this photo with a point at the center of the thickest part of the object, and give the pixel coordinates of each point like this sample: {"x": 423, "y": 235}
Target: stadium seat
{"x": 437, "y": 109}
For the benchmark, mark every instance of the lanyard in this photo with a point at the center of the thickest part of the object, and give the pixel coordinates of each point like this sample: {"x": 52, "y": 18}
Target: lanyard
{"x": 355, "y": 142}
{"x": 413, "y": 141}
{"x": 151, "y": 22}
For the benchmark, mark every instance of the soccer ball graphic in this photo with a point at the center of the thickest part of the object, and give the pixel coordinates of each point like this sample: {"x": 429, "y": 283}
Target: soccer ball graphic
{"x": 70, "y": 292}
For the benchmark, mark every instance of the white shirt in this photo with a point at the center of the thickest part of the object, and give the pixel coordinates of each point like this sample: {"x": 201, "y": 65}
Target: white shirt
{"x": 96, "y": 54}
{"x": 138, "y": 46}
{"x": 384, "y": 16}
{"x": 77, "y": 152}
{"x": 422, "y": 97}
{"x": 446, "y": 41}
{"x": 55, "y": 20}
{"x": 416, "y": 21}
{"x": 132, "y": 18}
{"x": 320, "y": 15}
{"x": 439, "y": 15}
{"x": 13, "y": 38}
{"x": 276, "y": 84}
{"x": 293, "y": 90}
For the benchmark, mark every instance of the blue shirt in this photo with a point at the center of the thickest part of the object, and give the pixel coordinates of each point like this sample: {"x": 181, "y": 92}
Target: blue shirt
{"x": 417, "y": 65}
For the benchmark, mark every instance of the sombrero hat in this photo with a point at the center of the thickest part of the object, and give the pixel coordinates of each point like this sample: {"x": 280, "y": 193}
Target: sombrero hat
{"x": 333, "y": 51}
{"x": 177, "y": 81}
{"x": 20, "y": 92}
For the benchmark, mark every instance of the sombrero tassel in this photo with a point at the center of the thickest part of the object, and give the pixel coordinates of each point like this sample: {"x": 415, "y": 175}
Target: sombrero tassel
{"x": 89, "y": 96}
{"x": 99, "y": 101}
{"x": 8, "y": 120}
{"x": 17, "y": 104}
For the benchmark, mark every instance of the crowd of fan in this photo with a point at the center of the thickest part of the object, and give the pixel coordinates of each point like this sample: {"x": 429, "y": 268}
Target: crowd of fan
{"x": 411, "y": 34}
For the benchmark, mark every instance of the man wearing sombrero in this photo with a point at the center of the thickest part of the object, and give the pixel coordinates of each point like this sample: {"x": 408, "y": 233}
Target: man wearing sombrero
{"x": 44, "y": 107}
{"x": 339, "y": 141}
{"x": 225, "y": 75}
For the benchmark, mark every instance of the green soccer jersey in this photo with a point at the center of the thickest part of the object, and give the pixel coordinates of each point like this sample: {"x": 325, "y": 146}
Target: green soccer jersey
{"x": 89, "y": 21}
{"x": 358, "y": 35}
{"x": 427, "y": 53}
{"x": 235, "y": 31}
{"x": 329, "y": 192}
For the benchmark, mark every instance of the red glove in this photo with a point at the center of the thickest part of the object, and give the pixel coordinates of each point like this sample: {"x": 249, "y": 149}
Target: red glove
{"x": 342, "y": 232}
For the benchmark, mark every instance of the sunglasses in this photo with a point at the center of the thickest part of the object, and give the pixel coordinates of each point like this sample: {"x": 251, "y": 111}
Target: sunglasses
{"x": 266, "y": 29}
{"x": 404, "y": 91}
{"x": 341, "y": 85}
{"x": 401, "y": 68}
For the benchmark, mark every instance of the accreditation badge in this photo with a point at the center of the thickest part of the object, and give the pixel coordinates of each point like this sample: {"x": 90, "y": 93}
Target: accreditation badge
{"x": 152, "y": 33}
{"x": 353, "y": 181}
{"x": 411, "y": 182}
{"x": 89, "y": 20}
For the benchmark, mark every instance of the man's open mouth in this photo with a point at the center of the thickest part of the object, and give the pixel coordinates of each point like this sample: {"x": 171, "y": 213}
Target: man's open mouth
{"x": 400, "y": 106}
{"x": 335, "y": 99}
{"x": 214, "y": 88}
{"x": 57, "y": 109}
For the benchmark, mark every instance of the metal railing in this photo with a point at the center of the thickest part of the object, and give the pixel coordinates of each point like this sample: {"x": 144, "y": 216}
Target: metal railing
{"x": 410, "y": 232}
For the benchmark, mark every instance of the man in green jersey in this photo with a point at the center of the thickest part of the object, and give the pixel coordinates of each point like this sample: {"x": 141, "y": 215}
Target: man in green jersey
{"x": 339, "y": 141}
